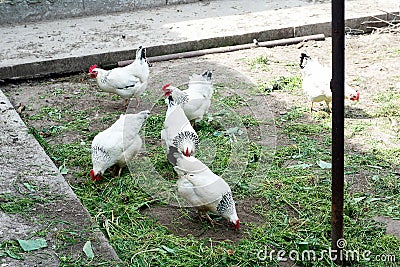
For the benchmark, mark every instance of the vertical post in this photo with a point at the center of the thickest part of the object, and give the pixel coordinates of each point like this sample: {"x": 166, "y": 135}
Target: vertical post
{"x": 337, "y": 87}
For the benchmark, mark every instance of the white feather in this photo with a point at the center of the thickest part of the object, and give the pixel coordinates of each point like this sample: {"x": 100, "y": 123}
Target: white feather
{"x": 119, "y": 143}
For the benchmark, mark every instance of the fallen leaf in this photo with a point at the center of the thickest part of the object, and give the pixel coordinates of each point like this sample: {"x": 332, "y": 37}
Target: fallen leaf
{"x": 217, "y": 133}
{"x": 29, "y": 187}
{"x": 167, "y": 249}
{"x": 87, "y": 248}
{"x": 63, "y": 170}
{"x": 29, "y": 245}
{"x": 234, "y": 130}
{"x": 324, "y": 165}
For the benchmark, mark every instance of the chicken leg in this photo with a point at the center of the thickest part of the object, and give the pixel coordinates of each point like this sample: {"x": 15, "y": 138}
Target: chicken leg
{"x": 137, "y": 101}
{"x": 210, "y": 220}
{"x": 126, "y": 102}
{"x": 329, "y": 108}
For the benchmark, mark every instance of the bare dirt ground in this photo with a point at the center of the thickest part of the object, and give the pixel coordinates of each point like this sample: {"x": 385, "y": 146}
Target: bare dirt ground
{"x": 372, "y": 62}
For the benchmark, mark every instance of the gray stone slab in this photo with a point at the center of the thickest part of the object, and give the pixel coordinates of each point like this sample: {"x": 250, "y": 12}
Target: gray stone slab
{"x": 27, "y": 175}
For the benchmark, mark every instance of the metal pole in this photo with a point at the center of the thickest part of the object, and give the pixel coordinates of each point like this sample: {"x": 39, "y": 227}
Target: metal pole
{"x": 337, "y": 87}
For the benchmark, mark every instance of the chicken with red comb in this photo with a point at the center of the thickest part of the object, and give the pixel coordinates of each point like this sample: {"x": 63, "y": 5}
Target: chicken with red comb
{"x": 92, "y": 72}
{"x": 178, "y": 132}
{"x": 127, "y": 81}
{"x": 316, "y": 82}
{"x": 196, "y": 100}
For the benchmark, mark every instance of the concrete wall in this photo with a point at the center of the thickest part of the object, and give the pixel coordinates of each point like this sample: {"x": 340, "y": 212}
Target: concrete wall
{"x": 22, "y": 11}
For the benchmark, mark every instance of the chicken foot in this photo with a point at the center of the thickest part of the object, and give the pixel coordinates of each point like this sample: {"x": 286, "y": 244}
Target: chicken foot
{"x": 116, "y": 169}
{"x": 212, "y": 222}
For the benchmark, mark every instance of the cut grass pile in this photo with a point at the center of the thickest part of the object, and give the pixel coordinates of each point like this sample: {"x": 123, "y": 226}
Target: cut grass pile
{"x": 292, "y": 194}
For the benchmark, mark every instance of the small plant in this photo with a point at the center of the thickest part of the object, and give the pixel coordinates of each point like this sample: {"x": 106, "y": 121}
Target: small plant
{"x": 389, "y": 103}
{"x": 261, "y": 62}
{"x": 291, "y": 84}
{"x": 233, "y": 101}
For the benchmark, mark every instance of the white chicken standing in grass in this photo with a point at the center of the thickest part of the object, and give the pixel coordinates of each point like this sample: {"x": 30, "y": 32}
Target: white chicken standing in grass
{"x": 203, "y": 189}
{"x": 316, "y": 82}
{"x": 178, "y": 132}
{"x": 118, "y": 144}
{"x": 127, "y": 81}
{"x": 195, "y": 100}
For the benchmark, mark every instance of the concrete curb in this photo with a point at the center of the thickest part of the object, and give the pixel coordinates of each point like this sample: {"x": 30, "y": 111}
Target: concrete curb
{"x": 81, "y": 63}
{"x": 23, "y": 161}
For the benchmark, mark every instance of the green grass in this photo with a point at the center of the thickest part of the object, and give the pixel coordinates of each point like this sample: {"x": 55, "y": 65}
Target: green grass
{"x": 388, "y": 103}
{"x": 293, "y": 202}
{"x": 290, "y": 84}
{"x": 10, "y": 248}
{"x": 261, "y": 62}
{"x": 233, "y": 101}
{"x": 19, "y": 204}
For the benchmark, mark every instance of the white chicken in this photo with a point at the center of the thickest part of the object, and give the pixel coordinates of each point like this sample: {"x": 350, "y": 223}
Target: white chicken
{"x": 203, "y": 189}
{"x": 195, "y": 100}
{"x": 178, "y": 132}
{"x": 118, "y": 144}
{"x": 316, "y": 82}
{"x": 127, "y": 81}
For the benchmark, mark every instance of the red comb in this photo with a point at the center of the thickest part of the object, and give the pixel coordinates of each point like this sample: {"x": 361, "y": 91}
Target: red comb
{"x": 166, "y": 86}
{"x": 92, "y": 68}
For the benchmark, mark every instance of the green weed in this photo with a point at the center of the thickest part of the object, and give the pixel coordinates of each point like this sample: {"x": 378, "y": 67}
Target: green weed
{"x": 19, "y": 204}
{"x": 261, "y": 62}
{"x": 389, "y": 103}
{"x": 233, "y": 101}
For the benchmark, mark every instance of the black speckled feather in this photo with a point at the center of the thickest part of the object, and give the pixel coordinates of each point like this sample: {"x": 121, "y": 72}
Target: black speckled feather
{"x": 105, "y": 78}
{"x": 181, "y": 98}
{"x": 227, "y": 204}
{"x": 186, "y": 136}
{"x": 100, "y": 154}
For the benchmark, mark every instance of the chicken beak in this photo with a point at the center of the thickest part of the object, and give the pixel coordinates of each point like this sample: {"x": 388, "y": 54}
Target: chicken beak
{"x": 237, "y": 225}
{"x": 167, "y": 92}
{"x": 165, "y": 89}
{"x": 96, "y": 177}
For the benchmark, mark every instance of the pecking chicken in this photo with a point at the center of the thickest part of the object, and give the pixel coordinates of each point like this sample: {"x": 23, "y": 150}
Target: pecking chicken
{"x": 195, "y": 100}
{"x": 118, "y": 144}
{"x": 203, "y": 189}
{"x": 127, "y": 81}
{"x": 178, "y": 132}
{"x": 316, "y": 82}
